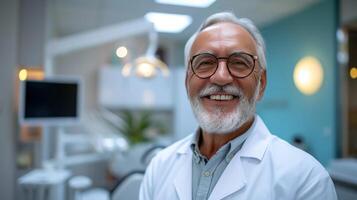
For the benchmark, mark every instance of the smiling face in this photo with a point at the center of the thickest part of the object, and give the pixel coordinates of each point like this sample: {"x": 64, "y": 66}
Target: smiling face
{"x": 223, "y": 103}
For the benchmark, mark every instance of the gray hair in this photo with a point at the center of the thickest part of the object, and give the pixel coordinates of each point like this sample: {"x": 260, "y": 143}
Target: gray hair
{"x": 230, "y": 17}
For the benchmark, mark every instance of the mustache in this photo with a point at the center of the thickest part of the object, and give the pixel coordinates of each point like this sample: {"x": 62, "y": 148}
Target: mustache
{"x": 228, "y": 89}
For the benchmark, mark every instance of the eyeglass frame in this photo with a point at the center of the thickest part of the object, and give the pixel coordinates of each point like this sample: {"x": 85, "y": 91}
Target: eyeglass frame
{"x": 255, "y": 58}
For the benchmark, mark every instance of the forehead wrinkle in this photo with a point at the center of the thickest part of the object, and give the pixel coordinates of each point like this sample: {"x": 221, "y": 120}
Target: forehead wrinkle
{"x": 224, "y": 36}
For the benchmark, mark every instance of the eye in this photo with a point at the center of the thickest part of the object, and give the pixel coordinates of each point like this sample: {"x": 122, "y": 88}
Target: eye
{"x": 207, "y": 62}
{"x": 237, "y": 62}
{"x": 241, "y": 61}
{"x": 204, "y": 61}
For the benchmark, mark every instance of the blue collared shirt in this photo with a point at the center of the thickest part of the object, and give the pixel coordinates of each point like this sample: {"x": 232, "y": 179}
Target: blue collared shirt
{"x": 206, "y": 172}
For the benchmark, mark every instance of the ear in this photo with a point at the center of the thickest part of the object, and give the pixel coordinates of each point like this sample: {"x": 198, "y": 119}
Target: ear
{"x": 186, "y": 79}
{"x": 263, "y": 83}
{"x": 188, "y": 73}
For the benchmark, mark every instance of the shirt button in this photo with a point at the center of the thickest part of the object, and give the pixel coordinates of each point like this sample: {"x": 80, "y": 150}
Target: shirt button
{"x": 206, "y": 173}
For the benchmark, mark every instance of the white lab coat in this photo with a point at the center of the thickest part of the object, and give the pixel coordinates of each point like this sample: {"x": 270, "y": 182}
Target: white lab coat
{"x": 265, "y": 168}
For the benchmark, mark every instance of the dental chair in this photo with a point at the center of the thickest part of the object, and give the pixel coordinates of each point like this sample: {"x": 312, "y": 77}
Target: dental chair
{"x": 129, "y": 187}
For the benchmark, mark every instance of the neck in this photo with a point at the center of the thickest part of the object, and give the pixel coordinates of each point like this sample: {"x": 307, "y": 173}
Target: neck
{"x": 211, "y": 142}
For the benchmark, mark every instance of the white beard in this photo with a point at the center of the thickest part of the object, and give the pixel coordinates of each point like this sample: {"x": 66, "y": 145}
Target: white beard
{"x": 218, "y": 121}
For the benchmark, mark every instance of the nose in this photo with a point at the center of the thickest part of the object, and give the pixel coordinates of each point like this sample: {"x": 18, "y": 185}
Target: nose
{"x": 222, "y": 76}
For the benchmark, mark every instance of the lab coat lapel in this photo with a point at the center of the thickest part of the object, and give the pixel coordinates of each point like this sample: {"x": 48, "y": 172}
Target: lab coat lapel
{"x": 232, "y": 180}
{"x": 183, "y": 178}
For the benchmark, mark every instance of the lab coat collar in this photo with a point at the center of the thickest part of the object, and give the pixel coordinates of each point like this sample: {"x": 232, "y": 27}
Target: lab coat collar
{"x": 183, "y": 178}
{"x": 254, "y": 146}
{"x": 257, "y": 142}
{"x": 233, "y": 178}
{"x": 185, "y": 148}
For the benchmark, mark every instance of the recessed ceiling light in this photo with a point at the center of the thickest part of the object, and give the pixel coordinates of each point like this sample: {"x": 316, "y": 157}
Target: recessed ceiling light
{"x": 171, "y": 23}
{"x": 190, "y": 3}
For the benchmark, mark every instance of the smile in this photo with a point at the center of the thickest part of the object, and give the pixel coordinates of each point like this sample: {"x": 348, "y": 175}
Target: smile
{"x": 224, "y": 97}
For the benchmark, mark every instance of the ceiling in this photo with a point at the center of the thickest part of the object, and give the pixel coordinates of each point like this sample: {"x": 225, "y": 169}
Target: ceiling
{"x": 74, "y": 16}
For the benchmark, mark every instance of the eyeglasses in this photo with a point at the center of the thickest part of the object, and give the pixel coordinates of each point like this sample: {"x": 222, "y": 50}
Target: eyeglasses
{"x": 239, "y": 64}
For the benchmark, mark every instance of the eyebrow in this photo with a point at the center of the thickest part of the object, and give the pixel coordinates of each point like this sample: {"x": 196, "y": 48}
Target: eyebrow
{"x": 205, "y": 51}
{"x": 233, "y": 52}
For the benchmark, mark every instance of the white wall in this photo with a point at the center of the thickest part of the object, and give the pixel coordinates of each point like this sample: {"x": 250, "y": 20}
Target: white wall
{"x": 185, "y": 122}
{"x": 8, "y": 56}
{"x": 32, "y": 32}
{"x": 85, "y": 64}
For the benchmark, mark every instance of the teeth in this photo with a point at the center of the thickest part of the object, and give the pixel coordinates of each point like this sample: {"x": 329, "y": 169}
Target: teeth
{"x": 221, "y": 97}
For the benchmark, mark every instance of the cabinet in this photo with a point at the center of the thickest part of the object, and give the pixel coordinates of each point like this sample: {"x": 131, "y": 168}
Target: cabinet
{"x": 119, "y": 92}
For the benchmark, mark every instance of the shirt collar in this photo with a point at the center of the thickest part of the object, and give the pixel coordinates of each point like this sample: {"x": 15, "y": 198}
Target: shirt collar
{"x": 194, "y": 146}
{"x": 233, "y": 145}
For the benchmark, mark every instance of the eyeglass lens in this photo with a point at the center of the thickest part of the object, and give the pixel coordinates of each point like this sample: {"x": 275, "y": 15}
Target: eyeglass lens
{"x": 239, "y": 64}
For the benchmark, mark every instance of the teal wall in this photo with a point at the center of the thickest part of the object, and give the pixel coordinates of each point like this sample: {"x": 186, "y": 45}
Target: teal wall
{"x": 285, "y": 110}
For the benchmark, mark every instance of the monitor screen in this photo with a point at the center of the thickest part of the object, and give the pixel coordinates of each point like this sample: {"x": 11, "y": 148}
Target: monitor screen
{"x": 52, "y": 101}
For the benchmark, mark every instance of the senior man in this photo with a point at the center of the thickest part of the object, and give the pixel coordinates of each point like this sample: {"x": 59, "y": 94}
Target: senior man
{"x": 232, "y": 155}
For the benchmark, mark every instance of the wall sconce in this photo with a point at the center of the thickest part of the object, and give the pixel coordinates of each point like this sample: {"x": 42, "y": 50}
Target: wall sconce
{"x": 308, "y": 75}
{"x": 31, "y": 73}
{"x": 147, "y": 66}
{"x": 353, "y": 72}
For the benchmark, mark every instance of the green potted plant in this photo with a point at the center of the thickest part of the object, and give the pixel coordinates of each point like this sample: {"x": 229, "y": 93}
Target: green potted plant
{"x": 140, "y": 127}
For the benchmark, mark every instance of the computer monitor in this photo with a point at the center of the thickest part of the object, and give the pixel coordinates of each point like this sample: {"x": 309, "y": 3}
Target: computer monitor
{"x": 53, "y": 101}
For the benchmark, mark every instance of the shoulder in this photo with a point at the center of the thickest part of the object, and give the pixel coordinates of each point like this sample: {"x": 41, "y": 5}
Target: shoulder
{"x": 277, "y": 154}
{"x": 301, "y": 170}
{"x": 159, "y": 175}
{"x": 294, "y": 163}
{"x": 281, "y": 151}
{"x": 172, "y": 151}
{"x": 163, "y": 168}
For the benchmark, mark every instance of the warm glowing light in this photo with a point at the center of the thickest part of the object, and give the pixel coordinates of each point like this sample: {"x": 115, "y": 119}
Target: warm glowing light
{"x": 122, "y": 52}
{"x": 147, "y": 67}
{"x": 23, "y": 74}
{"x": 308, "y": 75}
{"x": 353, "y": 72}
{"x": 31, "y": 73}
{"x": 145, "y": 70}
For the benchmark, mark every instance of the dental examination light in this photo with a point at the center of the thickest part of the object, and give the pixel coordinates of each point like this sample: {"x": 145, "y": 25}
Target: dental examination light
{"x": 147, "y": 66}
